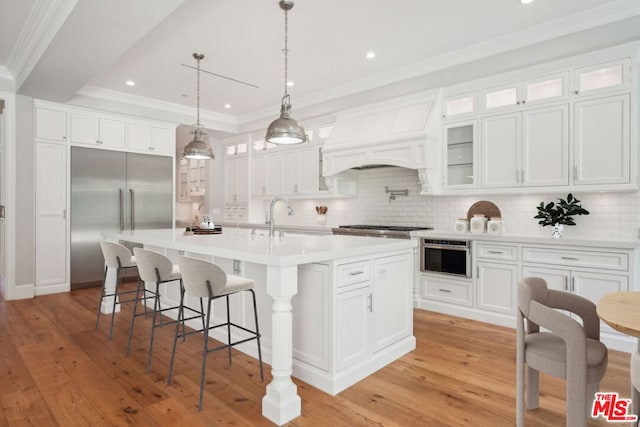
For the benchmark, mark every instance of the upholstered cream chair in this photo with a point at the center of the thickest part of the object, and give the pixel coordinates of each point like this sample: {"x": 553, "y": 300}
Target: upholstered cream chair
{"x": 567, "y": 349}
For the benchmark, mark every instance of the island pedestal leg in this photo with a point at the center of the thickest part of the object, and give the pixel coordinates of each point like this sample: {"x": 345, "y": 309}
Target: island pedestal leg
{"x": 281, "y": 402}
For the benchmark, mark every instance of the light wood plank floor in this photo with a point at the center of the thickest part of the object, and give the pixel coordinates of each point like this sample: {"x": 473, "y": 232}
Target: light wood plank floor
{"x": 57, "y": 370}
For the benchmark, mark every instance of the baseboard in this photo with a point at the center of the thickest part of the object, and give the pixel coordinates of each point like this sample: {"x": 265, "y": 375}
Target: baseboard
{"x": 51, "y": 289}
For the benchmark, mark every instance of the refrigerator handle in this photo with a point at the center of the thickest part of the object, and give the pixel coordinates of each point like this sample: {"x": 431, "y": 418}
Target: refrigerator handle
{"x": 133, "y": 209}
{"x": 121, "y": 198}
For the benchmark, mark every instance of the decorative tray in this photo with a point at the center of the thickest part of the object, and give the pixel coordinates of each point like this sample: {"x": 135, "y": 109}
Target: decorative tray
{"x": 215, "y": 230}
{"x": 483, "y": 207}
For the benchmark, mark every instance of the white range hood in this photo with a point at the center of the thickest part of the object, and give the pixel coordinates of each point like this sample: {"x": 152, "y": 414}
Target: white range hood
{"x": 396, "y": 132}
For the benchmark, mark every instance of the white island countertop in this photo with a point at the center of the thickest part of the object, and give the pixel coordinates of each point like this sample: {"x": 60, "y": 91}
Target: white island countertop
{"x": 241, "y": 244}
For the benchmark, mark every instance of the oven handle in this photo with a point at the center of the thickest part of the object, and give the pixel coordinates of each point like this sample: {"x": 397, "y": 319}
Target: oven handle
{"x": 447, "y": 247}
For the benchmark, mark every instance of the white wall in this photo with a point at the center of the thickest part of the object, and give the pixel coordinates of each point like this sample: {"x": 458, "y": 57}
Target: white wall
{"x": 612, "y": 214}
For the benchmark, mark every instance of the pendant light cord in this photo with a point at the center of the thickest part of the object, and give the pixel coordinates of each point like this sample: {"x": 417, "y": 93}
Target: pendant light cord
{"x": 286, "y": 53}
{"x": 198, "y": 95}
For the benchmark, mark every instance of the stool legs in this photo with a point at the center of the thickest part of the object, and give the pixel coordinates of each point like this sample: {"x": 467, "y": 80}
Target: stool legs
{"x": 205, "y": 352}
{"x": 115, "y": 301}
{"x": 135, "y": 310}
{"x": 104, "y": 282}
{"x": 175, "y": 336}
{"x": 156, "y": 310}
{"x": 255, "y": 315}
{"x": 228, "y": 329}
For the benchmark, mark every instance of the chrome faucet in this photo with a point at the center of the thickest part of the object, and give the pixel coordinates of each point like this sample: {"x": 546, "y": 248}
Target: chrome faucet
{"x": 271, "y": 222}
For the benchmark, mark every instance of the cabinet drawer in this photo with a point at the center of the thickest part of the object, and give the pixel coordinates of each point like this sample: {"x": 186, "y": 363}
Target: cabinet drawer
{"x": 497, "y": 252}
{"x": 354, "y": 272}
{"x": 577, "y": 258}
{"x": 446, "y": 290}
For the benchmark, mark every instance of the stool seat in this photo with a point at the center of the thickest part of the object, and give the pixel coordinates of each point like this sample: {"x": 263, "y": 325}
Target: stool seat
{"x": 237, "y": 284}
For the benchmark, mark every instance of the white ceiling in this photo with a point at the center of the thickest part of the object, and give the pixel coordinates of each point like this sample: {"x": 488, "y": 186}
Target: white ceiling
{"x": 243, "y": 39}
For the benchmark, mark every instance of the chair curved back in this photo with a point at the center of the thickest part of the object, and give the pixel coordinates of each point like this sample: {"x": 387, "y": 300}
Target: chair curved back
{"x": 196, "y": 272}
{"x": 148, "y": 261}
{"x": 113, "y": 251}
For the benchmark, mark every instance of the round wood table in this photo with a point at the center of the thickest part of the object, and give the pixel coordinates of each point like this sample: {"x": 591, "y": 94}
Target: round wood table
{"x": 621, "y": 311}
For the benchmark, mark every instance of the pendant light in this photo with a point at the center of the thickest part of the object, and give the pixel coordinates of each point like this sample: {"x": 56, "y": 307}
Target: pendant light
{"x": 286, "y": 130}
{"x": 198, "y": 148}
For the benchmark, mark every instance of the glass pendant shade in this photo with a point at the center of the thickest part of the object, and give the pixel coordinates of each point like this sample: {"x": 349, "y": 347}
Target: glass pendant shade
{"x": 198, "y": 148}
{"x": 285, "y": 130}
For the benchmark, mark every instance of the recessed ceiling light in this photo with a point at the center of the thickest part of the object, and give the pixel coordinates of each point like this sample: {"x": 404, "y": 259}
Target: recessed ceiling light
{"x": 227, "y": 105}
{"x": 130, "y": 83}
{"x": 526, "y": 1}
{"x": 370, "y": 55}
{"x": 290, "y": 83}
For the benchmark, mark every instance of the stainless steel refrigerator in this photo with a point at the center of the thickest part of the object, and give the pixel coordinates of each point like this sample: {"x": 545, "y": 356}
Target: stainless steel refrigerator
{"x": 110, "y": 191}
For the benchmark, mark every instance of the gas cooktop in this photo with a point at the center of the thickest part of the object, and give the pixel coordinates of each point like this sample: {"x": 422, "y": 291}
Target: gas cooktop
{"x": 397, "y": 231}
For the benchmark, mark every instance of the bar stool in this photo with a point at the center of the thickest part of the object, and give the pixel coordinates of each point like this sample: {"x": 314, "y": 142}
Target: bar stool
{"x": 203, "y": 279}
{"x": 157, "y": 268}
{"x": 119, "y": 257}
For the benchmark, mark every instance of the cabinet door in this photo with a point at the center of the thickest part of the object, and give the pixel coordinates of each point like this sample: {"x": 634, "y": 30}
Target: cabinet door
{"x": 290, "y": 171}
{"x": 51, "y": 125}
{"x": 459, "y": 106}
{"x": 594, "y": 286}
{"x": 308, "y": 170}
{"x": 545, "y": 146}
{"x": 501, "y": 98}
{"x": 391, "y": 303}
{"x": 556, "y": 279}
{"x": 460, "y": 146}
{"x": 112, "y": 133}
{"x": 51, "y": 222}
{"x": 139, "y": 137}
{"x": 258, "y": 178}
{"x": 311, "y": 308}
{"x": 352, "y": 327}
{"x": 231, "y": 180}
{"x": 84, "y": 129}
{"x": 601, "y": 136}
{"x": 497, "y": 287}
{"x": 545, "y": 89}
{"x": 273, "y": 173}
{"x": 601, "y": 78}
{"x": 163, "y": 141}
{"x": 501, "y": 140}
{"x": 242, "y": 177}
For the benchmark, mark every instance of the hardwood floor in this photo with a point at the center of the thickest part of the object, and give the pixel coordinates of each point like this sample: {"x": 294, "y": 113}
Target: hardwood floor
{"x": 57, "y": 370}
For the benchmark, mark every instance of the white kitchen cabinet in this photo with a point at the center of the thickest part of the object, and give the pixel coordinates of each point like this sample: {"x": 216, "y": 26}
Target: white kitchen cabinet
{"x": 51, "y": 218}
{"x": 602, "y": 141}
{"x": 535, "y": 91}
{"x": 528, "y": 149}
{"x": 602, "y": 78}
{"x": 301, "y": 171}
{"x": 391, "y": 307}
{"x": 447, "y": 289}
{"x": 97, "y": 131}
{"x": 312, "y": 307}
{"x": 460, "y": 106}
{"x": 273, "y": 174}
{"x": 51, "y": 125}
{"x": 460, "y": 154}
{"x": 353, "y": 340}
{"x": 496, "y": 285}
{"x": 236, "y": 180}
{"x": 258, "y": 175}
{"x": 150, "y": 139}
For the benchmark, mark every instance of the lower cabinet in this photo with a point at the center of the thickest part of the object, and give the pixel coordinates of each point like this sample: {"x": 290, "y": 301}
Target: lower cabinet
{"x": 497, "y": 287}
{"x": 353, "y": 305}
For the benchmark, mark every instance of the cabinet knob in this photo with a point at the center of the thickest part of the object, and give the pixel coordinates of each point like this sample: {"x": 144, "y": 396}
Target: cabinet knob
{"x": 64, "y": 138}
{"x": 576, "y": 92}
{"x": 444, "y": 115}
{"x": 523, "y": 101}
{"x": 518, "y": 102}
{"x": 98, "y": 142}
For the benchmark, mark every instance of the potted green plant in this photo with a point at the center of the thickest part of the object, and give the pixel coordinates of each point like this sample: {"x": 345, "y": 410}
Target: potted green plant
{"x": 559, "y": 214}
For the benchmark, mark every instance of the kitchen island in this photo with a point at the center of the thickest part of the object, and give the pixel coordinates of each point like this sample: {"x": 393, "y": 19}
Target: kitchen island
{"x": 340, "y": 306}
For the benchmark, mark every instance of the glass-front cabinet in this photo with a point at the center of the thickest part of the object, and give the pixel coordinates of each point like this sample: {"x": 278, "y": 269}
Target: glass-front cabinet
{"x": 603, "y": 77}
{"x": 460, "y": 106}
{"x": 539, "y": 90}
{"x": 460, "y": 141}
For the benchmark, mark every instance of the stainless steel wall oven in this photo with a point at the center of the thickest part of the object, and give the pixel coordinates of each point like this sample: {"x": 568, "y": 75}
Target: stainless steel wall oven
{"x": 446, "y": 256}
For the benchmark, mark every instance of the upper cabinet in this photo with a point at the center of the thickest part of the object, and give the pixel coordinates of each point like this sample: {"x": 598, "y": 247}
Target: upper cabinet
{"x": 51, "y": 125}
{"x": 150, "y": 139}
{"x": 569, "y": 130}
{"x": 531, "y": 92}
{"x": 601, "y": 78}
{"x": 97, "y": 131}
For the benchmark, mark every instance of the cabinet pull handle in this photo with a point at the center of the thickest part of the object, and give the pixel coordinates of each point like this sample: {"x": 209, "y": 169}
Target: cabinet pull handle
{"x": 570, "y": 258}
{"x": 522, "y": 176}
{"x": 64, "y": 138}
{"x": 448, "y": 291}
{"x": 518, "y": 175}
{"x": 496, "y": 252}
{"x": 98, "y": 142}
{"x": 565, "y": 285}
{"x": 575, "y": 172}
{"x": 478, "y": 271}
{"x": 132, "y": 209}
{"x": 573, "y": 284}
{"x": 355, "y": 273}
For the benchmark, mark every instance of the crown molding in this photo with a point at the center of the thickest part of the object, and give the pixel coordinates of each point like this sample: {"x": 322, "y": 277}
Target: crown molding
{"x": 155, "y": 104}
{"x": 43, "y": 22}
{"x": 6, "y": 79}
{"x": 590, "y": 18}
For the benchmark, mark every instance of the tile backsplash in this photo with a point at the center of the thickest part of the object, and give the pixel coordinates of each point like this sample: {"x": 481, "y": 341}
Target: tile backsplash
{"x": 614, "y": 215}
